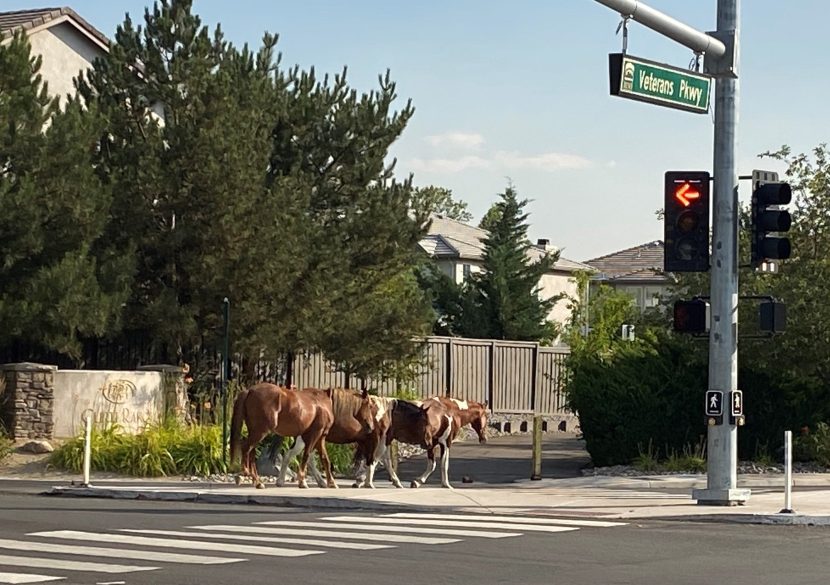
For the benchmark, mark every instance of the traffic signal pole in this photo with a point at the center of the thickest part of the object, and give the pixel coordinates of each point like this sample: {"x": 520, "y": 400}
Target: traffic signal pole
{"x": 720, "y": 49}
{"x": 722, "y": 442}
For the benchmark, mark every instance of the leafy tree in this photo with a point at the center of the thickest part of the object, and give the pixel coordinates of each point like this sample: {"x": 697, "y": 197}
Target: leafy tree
{"x": 440, "y": 200}
{"x": 502, "y": 301}
{"x": 491, "y": 218}
{"x": 53, "y": 292}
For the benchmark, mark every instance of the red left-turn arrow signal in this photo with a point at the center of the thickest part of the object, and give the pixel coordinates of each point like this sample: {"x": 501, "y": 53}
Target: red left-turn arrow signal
{"x": 685, "y": 194}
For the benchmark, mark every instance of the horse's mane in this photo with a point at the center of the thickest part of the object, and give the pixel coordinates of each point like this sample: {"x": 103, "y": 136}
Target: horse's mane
{"x": 345, "y": 403}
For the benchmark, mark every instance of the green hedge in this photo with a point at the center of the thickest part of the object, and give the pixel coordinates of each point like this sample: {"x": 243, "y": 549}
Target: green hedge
{"x": 651, "y": 392}
{"x": 163, "y": 451}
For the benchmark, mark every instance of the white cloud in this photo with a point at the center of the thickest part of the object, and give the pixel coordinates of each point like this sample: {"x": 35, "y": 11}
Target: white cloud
{"x": 449, "y": 165}
{"x": 505, "y": 161}
{"x": 547, "y": 161}
{"x": 467, "y": 141}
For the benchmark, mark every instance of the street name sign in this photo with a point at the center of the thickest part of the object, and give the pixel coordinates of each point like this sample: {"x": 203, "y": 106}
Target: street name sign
{"x": 647, "y": 81}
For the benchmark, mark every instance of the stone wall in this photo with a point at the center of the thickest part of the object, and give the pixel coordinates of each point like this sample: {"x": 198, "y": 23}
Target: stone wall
{"x": 42, "y": 402}
{"x": 27, "y": 402}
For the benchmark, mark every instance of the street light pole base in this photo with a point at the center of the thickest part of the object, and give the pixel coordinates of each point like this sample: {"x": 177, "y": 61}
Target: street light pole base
{"x": 715, "y": 497}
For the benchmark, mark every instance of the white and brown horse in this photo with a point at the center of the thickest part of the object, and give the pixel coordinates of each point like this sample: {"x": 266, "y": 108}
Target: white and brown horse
{"x": 445, "y": 417}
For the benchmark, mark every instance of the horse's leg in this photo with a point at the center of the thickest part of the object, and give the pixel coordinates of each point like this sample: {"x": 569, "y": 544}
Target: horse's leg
{"x": 428, "y": 471}
{"x": 288, "y": 458}
{"x": 301, "y": 482}
{"x": 315, "y": 472}
{"x": 324, "y": 457}
{"x": 445, "y": 466}
{"x": 254, "y": 437}
{"x": 380, "y": 450}
{"x": 387, "y": 460}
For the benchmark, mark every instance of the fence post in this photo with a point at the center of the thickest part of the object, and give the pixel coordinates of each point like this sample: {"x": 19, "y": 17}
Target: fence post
{"x": 491, "y": 375}
{"x": 226, "y": 363}
{"x": 537, "y": 448}
{"x": 87, "y": 418}
{"x": 448, "y": 381}
{"x": 534, "y": 378}
{"x": 788, "y": 473}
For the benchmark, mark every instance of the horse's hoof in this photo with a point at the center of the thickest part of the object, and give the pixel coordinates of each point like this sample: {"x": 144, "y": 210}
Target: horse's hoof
{"x": 357, "y": 485}
{"x": 414, "y": 484}
{"x": 238, "y": 480}
{"x": 398, "y": 485}
{"x": 334, "y": 486}
{"x": 260, "y": 485}
{"x": 280, "y": 483}
{"x": 303, "y": 485}
{"x": 448, "y": 486}
{"x": 370, "y": 486}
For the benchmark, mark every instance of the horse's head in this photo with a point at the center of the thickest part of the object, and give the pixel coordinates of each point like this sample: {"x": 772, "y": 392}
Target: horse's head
{"x": 366, "y": 413}
{"x": 479, "y": 422}
{"x": 428, "y": 422}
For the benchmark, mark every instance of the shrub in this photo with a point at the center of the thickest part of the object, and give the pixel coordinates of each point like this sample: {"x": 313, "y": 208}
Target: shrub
{"x": 157, "y": 451}
{"x": 6, "y": 447}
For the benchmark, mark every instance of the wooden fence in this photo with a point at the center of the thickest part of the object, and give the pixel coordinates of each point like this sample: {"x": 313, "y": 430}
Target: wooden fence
{"x": 513, "y": 376}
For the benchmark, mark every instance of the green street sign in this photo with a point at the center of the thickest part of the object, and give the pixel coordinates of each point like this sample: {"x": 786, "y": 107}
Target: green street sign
{"x": 655, "y": 83}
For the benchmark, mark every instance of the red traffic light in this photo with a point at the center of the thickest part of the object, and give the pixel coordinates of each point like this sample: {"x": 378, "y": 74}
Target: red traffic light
{"x": 691, "y": 316}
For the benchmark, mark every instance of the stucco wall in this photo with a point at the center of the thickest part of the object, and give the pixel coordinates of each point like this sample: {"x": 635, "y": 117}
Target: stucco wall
{"x": 131, "y": 400}
{"x": 66, "y": 52}
{"x": 554, "y": 284}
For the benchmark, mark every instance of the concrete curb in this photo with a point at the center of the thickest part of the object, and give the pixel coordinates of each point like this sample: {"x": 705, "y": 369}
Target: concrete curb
{"x": 315, "y": 502}
{"x": 768, "y": 519}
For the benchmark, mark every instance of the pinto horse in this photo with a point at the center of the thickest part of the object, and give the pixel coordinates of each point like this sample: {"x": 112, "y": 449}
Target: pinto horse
{"x": 267, "y": 408}
{"x": 355, "y": 421}
{"x": 425, "y": 424}
{"x": 466, "y": 412}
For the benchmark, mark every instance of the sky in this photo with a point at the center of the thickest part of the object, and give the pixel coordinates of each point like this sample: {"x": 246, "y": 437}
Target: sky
{"x": 517, "y": 92}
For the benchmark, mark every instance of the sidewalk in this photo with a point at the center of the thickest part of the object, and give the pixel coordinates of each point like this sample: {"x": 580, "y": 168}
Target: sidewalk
{"x": 499, "y": 472}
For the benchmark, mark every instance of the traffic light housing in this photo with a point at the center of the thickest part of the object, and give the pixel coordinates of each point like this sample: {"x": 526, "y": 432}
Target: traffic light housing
{"x": 691, "y": 316}
{"x": 686, "y": 221}
{"x": 768, "y": 218}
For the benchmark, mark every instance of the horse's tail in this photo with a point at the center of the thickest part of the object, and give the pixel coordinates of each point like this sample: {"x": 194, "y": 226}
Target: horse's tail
{"x": 236, "y": 422}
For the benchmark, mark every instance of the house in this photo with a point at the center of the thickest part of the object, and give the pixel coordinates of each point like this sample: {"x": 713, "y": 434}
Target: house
{"x": 637, "y": 271}
{"x": 458, "y": 250}
{"x": 67, "y": 43}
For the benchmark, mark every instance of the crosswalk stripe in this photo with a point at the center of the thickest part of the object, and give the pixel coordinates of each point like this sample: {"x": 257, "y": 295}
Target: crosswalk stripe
{"x": 392, "y": 526}
{"x": 510, "y": 519}
{"x": 15, "y": 578}
{"x": 53, "y": 564}
{"x": 471, "y": 524}
{"x": 171, "y": 543}
{"x": 284, "y": 540}
{"x": 143, "y": 555}
{"x": 342, "y": 535}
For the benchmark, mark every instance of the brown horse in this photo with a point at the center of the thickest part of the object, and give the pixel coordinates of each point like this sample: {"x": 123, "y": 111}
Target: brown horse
{"x": 267, "y": 408}
{"x": 355, "y": 421}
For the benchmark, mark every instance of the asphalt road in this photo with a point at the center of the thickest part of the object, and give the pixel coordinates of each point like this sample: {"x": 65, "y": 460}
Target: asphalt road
{"x": 420, "y": 550}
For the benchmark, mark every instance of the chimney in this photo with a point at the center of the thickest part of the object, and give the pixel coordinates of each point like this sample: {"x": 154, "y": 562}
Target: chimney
{"x": 543, "y": 243}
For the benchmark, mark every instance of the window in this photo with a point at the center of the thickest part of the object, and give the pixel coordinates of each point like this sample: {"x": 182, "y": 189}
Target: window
{"x": 466, "y": 269}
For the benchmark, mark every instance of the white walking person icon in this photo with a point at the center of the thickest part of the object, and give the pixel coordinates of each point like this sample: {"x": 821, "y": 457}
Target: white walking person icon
{"x": 713, "y": 402}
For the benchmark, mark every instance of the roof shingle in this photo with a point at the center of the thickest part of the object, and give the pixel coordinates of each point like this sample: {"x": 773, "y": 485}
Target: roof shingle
{"x": 466, "y": 242}
{"x": 640, "y": 263}
{"x": 29, "y": 19}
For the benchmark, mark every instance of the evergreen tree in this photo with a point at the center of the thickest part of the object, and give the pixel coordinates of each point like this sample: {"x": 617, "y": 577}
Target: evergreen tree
{"x": 189, "y": 121}
{"x": 53, "y": 292}
{"x": 502, "y": 301}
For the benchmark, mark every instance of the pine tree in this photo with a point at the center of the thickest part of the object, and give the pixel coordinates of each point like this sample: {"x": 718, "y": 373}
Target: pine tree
{"x": 502, "y": 301}
{"x": 188, "y": 139}
{"x": 53, "y": 291}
